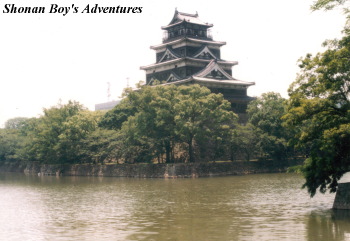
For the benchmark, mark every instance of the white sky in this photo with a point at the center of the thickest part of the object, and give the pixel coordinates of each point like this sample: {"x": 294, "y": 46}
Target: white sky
{"x": 48, "y": 57}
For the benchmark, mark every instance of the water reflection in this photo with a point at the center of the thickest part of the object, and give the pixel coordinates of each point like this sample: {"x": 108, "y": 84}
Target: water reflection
{"x": 328, "y": 225}
{"x": 254, "y": 207}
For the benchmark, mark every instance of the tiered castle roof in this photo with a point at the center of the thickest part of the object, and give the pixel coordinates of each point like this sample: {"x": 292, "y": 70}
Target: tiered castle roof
{"x": 189, "y": 55}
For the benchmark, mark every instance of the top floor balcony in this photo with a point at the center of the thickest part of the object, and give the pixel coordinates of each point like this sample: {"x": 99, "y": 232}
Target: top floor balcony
{"x": 169, "y": 35}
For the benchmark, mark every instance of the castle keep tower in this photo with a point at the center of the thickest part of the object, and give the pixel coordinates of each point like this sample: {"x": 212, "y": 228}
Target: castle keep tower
{"x": 189, "y": 55}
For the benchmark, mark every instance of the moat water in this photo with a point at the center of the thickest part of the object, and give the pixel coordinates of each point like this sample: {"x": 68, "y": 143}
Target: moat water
{"x": 252, "y": 207}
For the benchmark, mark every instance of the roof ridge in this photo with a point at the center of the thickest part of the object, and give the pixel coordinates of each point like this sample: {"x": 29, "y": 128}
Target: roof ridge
{"x": 188, "y": 14}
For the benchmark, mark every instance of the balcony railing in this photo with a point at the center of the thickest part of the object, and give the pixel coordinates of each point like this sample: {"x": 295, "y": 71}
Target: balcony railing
{"x": 168, "y": 36}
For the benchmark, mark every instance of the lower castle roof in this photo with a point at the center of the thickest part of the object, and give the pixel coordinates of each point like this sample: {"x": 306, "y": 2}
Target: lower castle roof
{"x": 226, "y": 84}
{"x": 214, "y": 76}
{"x": 172, "y": 61}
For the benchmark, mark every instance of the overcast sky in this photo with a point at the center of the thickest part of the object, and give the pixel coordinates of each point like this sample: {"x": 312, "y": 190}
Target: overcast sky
{"x": 45, "y": 58}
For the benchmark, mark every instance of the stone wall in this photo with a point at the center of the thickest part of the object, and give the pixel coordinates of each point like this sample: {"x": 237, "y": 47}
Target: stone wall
{"x": 180, "y": 170}
{"x": 342, "y": 198}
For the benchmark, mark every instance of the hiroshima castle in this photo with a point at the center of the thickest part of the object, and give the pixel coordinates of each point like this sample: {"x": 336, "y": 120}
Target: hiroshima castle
{"x": 189, "y": 55}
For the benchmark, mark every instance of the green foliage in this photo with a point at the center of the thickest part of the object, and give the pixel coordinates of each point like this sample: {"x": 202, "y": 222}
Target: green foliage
{"x": 327, "y": 4}
{"x": 11, "y": 142}
{"x": 100, "y": 146}
{"x": 13, "y": 139}
{"x": 242, "y": 142}
{"x": 169, "y": 117}
{"x": 114, "y": 118}
{"x": 64, "y": 134}
{"x": 75, "y": 129}
{"x": 201, "y": 117}
{"x": 136, "y": 147}
{"x": 319, "y": 108}
{"x": 167, "y": 123}
{"x": 46, "y": 134}
{"x": 15, "y": 123}
{"x": 334, "y": 4}
{"x": 295, "y": 169}
{"x": 265, "y": 115}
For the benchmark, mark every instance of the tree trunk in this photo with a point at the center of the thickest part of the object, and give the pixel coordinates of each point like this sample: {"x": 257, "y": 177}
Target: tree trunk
{"x": 231, "y": 155}
{"x": 172, "y": 152}
{"x": 247, "y": 155}
{"x": 167, "y": 152}
{"x": 190, "y": 150}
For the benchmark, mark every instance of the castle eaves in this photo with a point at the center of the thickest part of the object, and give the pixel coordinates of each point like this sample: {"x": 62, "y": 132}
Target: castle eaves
{"x": 177, "y": 41}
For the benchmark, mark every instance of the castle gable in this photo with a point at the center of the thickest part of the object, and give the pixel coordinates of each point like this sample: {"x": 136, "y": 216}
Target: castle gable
{"x": 168, "y": 55}
{"x": 173, "y": 77}
{"x": 205, "y": 53}
{"x": 214, "y": 71}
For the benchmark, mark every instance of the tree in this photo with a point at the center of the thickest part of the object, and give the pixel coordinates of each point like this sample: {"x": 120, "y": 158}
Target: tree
{"x": 265, "y": 113}
{"x": 171, "y": 116}
{"x": 44, "y": 132}
{"x": 328, "y": 4}
{"x": 11, "y": 143}
{"x": 12, "y": 139}
{"x": 15, "y": 123}
{"x": 319, "y": 108}
{"x": 100, "y": 146}
{"x": 137, "y": 146}
{"x": 114, "y": 118}
{"x": 148, "y": 129}
{"x": 243, "y": 142}
{"x": 75, "y": 129}
{"x": 201, "y": 116}
{"x": 161, "y": 127}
